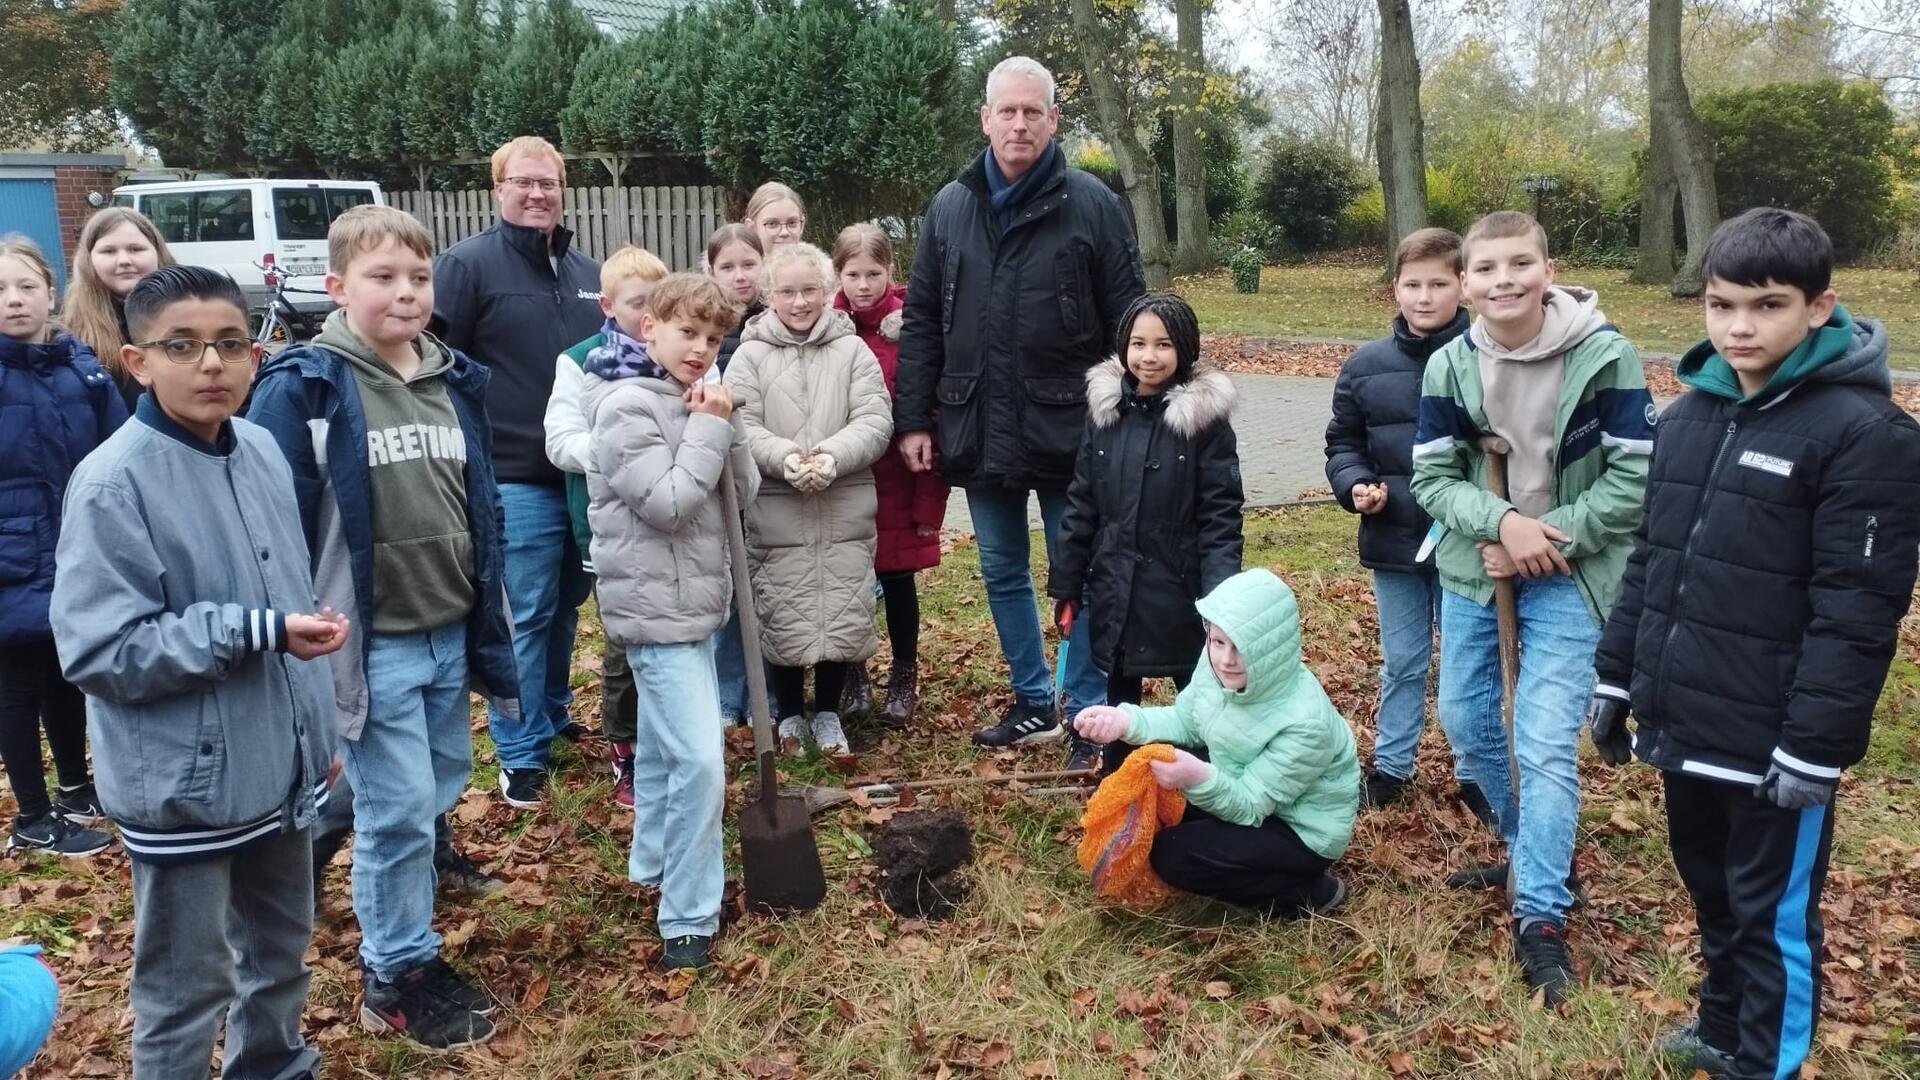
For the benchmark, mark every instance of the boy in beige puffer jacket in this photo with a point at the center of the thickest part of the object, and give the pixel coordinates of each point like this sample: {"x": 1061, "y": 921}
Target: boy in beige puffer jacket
{"x": 660, "y": 436}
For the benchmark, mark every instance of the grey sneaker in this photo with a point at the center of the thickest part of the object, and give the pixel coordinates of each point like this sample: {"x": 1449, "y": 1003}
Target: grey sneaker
{"x": 459, "y": 877}
{"x": 828, "y": 733}
{"x": 1689, "y": 1049}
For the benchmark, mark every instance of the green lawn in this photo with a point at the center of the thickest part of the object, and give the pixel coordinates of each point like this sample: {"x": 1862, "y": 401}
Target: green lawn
{"x": 1035, "y": 980}
{"x": 1350, "y": 302}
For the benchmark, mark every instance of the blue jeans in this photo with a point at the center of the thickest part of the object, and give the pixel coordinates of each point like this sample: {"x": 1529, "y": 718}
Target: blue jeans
{"x": 410, "y": 763}
{"x": 1557, "y": 639}
{"x": 679, "y": 785}
{"x": 730, "y": 667}
{"x": 1409, "y": 607}
{"x": 1000, "y": 531}
{"x": 545, "y": 588}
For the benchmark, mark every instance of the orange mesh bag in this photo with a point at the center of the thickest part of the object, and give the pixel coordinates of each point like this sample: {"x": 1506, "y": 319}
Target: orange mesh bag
{"x": 1121, "y": 818}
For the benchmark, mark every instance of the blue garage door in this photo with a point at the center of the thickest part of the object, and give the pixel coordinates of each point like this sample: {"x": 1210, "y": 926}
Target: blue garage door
{"x": 27, "y": 206}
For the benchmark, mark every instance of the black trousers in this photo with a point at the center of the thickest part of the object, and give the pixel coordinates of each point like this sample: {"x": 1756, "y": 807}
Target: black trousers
{"x": 1266, "y": 866}
{"x": 902, "y": 599}
{"x": 1755, "y": 872}
{"x": 33, "y": 693}
{"x": 1122, "y": 689}
{"x": 789, "y": 687}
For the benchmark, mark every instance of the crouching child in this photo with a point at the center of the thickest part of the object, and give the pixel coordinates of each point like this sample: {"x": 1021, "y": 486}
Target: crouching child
{"x": 1268, "y": 765}
{"x": 660, "y": 436}
{"x": 180, "y": 572}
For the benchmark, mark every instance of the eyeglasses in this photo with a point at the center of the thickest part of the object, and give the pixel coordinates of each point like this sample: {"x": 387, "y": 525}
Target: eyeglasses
{"x": 186, "y": 350}
{"x": 525, "y": 183}
{"x": 789, "y": 225}
{"x": 787, "y": 296}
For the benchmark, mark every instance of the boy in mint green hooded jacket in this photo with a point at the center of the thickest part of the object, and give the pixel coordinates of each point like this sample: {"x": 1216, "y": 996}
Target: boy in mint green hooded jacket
{"x": 1274, "y": 786}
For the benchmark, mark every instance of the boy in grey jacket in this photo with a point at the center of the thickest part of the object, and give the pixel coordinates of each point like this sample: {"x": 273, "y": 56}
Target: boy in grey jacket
{"x": 660, "y": 437}
{"x": 180, "y": 565}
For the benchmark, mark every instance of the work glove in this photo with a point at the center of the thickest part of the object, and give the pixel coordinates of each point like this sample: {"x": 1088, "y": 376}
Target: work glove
{"x": 794, "y": 468}
{"x": 1101, "y": 723}
{"x": 1607, "y": 721}
{"x": 1183, "y": 772}
{"x": 1063, "y": 613}
{"x": 1789, "y": 792}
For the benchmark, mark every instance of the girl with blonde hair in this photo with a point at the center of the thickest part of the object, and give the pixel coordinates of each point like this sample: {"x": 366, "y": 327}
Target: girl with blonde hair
{"x": 118, "y": 246}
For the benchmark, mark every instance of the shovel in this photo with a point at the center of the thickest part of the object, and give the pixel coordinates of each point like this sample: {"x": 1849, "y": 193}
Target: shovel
{"x": 820, "y": 798}
{"x": 1506, "y": 611}
{"x": 779, "y": 860}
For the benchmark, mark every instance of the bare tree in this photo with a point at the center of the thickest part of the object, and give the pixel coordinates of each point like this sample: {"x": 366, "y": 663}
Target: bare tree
{"x": 1399, "y": 132}
{"x": 1139, "y": 173}
{"x": 1327, "y": 51}
{"x": 1681, "y": 162}
{"x": 1189, "y": 158}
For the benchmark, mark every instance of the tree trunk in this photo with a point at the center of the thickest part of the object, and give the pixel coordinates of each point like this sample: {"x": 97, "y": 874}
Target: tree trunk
{"x": 1681, "y": 140}
{"x": 1138, "y": 171}
{"x": 1399, "y": 131}
{"x": 1654, "y": 263}
{"x": 1191, "y": 226}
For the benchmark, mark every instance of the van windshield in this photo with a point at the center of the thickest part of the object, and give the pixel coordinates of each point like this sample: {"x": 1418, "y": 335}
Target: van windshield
{"x": 305, "y": 213}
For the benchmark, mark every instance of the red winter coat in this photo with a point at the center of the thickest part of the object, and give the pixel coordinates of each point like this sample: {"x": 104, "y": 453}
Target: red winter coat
{"x": 907, "y": 499}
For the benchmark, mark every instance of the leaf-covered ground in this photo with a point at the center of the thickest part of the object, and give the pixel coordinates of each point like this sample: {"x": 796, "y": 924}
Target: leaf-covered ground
{"x": 1344, "y": 299}
{"x": 1035, "y": 979}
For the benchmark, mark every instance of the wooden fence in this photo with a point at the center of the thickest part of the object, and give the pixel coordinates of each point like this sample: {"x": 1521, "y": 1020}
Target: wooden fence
{"x": 671, "y": 222}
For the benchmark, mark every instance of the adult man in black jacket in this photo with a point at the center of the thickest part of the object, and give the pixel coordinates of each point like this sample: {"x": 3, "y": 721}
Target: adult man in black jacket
{"x": 1758, "y": 615}
{"x": 1022, "y": 271}
{"x": 514, "y": 298}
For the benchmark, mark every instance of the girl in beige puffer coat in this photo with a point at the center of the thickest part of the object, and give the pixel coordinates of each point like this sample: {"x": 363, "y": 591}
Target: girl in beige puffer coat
{"x": 816, "y": 413}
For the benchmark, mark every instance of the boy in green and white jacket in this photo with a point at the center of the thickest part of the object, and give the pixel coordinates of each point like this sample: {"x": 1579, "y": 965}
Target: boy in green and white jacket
{"x": 1542, "y": 369}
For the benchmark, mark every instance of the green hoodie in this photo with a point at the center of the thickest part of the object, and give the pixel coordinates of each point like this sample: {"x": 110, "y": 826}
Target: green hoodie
{"x": 417, "y": 480}
{"x": 1279, "y": 748}
{"x": 1704, "y": 369}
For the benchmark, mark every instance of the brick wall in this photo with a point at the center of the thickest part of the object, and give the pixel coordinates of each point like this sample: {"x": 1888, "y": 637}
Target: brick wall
{"x": 70, "y": 186}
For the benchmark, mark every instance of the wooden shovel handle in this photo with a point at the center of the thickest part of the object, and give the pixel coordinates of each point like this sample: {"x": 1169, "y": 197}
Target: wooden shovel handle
{"x": 763, "y": 743}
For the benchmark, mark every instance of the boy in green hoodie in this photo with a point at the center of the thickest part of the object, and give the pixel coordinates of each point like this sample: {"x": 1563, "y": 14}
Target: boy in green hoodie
{"x": 1542, "y": 369}
{"x": 1274, "y": 789}
{"x": 1761, "y": 608}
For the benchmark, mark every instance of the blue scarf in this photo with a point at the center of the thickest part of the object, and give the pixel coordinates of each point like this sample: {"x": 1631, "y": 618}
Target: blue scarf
{"x": 621, "y": 357}
{"x": 1006, "y": 197}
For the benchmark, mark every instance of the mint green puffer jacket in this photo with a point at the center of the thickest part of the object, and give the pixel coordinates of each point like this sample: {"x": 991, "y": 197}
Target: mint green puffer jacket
{"x": 1279, "y": 747}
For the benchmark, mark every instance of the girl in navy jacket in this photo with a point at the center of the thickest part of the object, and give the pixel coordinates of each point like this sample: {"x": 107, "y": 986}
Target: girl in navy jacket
{"x": 56, "y": 404}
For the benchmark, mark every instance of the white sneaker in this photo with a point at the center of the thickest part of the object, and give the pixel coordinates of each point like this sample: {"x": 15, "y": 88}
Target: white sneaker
{"x": 793, "y": 727}
{"x": 826, "y": 732}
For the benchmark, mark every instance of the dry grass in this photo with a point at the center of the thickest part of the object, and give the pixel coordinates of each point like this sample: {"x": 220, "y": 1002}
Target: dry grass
{"x": 1036, "y": 979}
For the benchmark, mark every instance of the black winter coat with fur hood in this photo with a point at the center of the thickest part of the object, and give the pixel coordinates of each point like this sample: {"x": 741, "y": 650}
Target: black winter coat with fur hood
{"x": 1153, "y": 518}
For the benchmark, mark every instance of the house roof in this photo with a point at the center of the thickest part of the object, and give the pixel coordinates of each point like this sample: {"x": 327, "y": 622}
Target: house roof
{"x": 624, "y": 17}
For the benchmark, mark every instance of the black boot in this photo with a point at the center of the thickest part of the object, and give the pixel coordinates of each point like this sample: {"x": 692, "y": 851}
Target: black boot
{"x": 856, "y": 697}
{"x": 1476, "y": 800}
{"x": 903, "y": 695}
{"x": 1381, "y": 789}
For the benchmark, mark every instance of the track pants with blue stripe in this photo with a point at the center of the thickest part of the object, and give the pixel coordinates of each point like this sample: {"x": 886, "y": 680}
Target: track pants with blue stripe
{"x": 1755, "y": 872}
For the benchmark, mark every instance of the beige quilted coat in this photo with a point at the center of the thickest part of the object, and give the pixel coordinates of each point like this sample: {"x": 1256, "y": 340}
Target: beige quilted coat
{"x": 812, "y": 554}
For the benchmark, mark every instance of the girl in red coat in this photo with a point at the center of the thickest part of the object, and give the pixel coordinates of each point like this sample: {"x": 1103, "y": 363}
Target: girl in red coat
{"x": 912, "y": 505}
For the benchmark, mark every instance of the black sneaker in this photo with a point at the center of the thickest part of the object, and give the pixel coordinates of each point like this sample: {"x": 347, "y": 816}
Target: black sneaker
{"x": 1541, "y": 949}
{"x": 1329, "y": 895}
{"x": 1494, "y": 876}
{"x": 1475, "y": 801}
{"x": 573, "y": 732}
{"x": 1082, "y": 753}
{"x": 1690, "y": 1050}
{"x": 56, "y": 835}
{"x": 443, "y": 980}
{"x": 1020, "y": 724}
{"x": 80, "y": 805}
{"x": 522, "y": 787}
{"x": 458, "y": 877}
{"x": 411, "y": 1006}
{"x": 685, "y": 953}
{"x": 1381, "y": 789}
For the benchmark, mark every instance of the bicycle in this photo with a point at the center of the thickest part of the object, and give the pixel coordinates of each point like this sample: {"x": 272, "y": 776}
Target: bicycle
{"x": 280, "y": 323}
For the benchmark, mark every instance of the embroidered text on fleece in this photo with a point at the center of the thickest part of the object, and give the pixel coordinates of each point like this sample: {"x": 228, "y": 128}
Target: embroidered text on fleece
{"x": 178, "y": 562}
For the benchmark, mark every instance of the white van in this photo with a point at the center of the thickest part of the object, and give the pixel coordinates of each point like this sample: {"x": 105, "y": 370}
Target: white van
{"x": 231, "y": 225}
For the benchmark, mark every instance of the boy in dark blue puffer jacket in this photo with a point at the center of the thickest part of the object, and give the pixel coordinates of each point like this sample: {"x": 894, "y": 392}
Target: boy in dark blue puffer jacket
{"x": 1760, "y": 610}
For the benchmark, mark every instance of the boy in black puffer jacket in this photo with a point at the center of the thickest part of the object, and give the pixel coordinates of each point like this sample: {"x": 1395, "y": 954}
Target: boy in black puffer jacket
{"x": 1760, "y": 609}
{"x": 1154, "y": 512}
{"x": 1376, "y": 408}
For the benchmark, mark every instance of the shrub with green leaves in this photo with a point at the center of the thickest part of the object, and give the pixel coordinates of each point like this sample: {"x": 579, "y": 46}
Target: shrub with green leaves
{"x": 1303, "y": 185}
{"x": 1245, "y": 266}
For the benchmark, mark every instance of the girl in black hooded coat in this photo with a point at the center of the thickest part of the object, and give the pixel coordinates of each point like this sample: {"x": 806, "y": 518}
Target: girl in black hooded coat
{"x": 1154, "y": 510}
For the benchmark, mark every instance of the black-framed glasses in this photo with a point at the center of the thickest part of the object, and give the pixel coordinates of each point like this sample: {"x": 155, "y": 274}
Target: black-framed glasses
{"x": 525, "y": 182}
{"x": 186, "y": 350}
